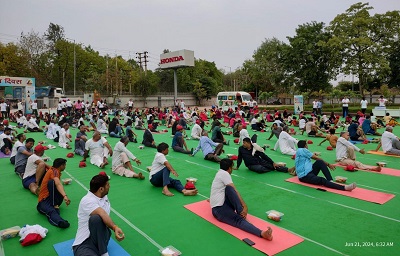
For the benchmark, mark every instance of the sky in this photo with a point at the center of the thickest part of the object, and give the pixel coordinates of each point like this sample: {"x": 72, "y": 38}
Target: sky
{"x": 221, "y": 31}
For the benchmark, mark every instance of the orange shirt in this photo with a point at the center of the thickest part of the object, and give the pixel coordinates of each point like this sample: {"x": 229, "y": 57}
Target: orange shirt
{"x": 50, "y": 174}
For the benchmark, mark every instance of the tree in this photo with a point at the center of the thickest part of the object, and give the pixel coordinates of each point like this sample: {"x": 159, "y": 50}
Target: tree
{"x": 146, "y": 85}
{"x": 308, "y": 59}
{"x": 13, "y": 61}
{"x": 363, "y": 41}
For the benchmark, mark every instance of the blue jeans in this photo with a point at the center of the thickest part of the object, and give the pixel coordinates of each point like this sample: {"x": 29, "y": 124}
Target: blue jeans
{"x": 229, "y": 213}
{"x": 313, "y": 178}
{"x": 117, "y": 132}
{"x": 46, "y": 206}
{"x": 97, "y": 242}
{"x": 162, "y": 179}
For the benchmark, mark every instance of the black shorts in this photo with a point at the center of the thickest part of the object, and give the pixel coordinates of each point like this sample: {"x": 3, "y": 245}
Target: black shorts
{"x": 312, "y": 133}
{"x": 354, "y": 138}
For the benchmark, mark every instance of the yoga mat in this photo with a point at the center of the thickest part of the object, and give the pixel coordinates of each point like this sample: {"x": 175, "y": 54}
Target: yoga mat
{"x": 65, "y": 248}
{"x": 282, "y": 239}
{"x": 386, "y": 171}
{"x": 381, "y": 153}
{"x": 2, "y": 155}
{"x": 359, "y": 193}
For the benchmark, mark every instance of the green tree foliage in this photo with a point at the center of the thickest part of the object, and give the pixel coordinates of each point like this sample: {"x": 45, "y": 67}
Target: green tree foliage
{"x": 309, "y": 60}
{"x": 394, "y": 64}
{"x": 13, "y": 61}
{"x": 146, "y": 85}
{"x": 364, "y": 41}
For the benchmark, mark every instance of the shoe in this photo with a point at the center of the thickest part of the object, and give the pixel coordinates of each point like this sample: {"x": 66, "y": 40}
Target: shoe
{"x": 63, "y": 224}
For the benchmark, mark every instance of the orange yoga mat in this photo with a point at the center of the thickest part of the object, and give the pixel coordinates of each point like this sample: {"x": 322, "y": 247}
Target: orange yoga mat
{"x": 282, "y": 238}
{"x": 386, "y": 171}
{"x": 359, "y": 193}
{"x": 380, "y": 153}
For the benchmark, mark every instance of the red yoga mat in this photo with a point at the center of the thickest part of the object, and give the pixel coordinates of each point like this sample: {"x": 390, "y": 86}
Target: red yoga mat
{"x": 386, "y": 171}
{"x": 282, "y": 238}
{"x": 359, "y": 193}
{"x": 380, "y": 153}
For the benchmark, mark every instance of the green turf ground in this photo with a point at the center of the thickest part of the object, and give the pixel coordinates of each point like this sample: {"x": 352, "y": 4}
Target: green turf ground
{"x": 326, "y": 221}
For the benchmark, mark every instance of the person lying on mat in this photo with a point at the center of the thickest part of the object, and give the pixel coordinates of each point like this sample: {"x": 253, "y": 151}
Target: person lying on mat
{"x": 160, "y": 171}
{"x": 94, "y": 221}
{"x": 211, "y": 150}
{"x": 228, "y": 206}
{"x": 120, "y": 160}
{"x": 52, "y": 194}
{"x": 99, "y": 150}
{"x": 331, "y": 137}
{"x": 345, "y": 154}
{"x": 257, "y": 161}
{"x": 308, "y": 172}
{"x": 390, "y": 143}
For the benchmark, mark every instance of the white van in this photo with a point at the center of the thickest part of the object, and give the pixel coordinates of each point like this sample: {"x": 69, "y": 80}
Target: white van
{"x": 226, "y": 100}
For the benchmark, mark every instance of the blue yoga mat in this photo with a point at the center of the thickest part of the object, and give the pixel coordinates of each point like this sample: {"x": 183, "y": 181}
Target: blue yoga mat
{"x": 65, "y": 248}
{"x": 359, "y": 141}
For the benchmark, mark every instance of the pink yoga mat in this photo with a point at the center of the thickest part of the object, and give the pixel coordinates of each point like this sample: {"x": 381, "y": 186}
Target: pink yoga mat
{"x": 2, "y": 155}
{"x": 386, "y": 171}
{"x": 380, "y": 153}
{"x": 282, "y": 239}
{"x": 359, "y": 193}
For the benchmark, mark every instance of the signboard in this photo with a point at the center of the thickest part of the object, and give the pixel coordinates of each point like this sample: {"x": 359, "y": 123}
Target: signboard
{"x": 182, "y": 58}
{"x": 27, "y": 95}
{"x": 298, "y": 104}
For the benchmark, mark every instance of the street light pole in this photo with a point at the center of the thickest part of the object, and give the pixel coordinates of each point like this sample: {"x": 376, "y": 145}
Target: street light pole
{"x": 230, "y": 74}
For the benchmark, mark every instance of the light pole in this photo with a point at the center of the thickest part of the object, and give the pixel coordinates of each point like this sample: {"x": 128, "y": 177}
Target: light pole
{"x": 230, "y": 73}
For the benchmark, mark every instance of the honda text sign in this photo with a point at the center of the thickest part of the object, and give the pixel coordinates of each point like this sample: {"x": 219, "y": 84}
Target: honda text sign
{"x": 182, "y": 58}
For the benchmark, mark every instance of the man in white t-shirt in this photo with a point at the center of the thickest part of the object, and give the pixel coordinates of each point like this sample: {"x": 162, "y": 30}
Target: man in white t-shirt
{"x": 382, "y": 101}
{"x": 35, "y": 170}
{"x": 160, "y": 171}
{"x": 94, "y": 221}
{"x": 315, "y": 106}
{"x": 228, "y": 206}
{"x": 34, "y": 108}
{"x": 196, "y": 131}
{"x": 65, "y": 137}
{"x": 3, "y": 108}
{"x": 130, "y": 104}
{"x": 120, "y": 160}
{"x": 6, "y": 141}
{"x": 345, "y": 106}
{"x": 390, "y": 143}
{"x": 101, "y": 125}
{"x": 99, "y": 150}
{"x": 364, "y": 105}
{"x": 20, "y": 142}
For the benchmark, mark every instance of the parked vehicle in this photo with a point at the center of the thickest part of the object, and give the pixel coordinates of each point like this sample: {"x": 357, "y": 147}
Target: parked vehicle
{"x": 234, "y": 99}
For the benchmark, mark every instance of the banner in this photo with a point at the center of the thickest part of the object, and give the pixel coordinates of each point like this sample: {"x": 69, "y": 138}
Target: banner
{"x": 298, "y": 104}
{"x": 27, "y": 94}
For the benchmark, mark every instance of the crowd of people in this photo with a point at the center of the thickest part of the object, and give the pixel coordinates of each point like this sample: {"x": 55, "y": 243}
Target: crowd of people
{"x": 40, "y": 178}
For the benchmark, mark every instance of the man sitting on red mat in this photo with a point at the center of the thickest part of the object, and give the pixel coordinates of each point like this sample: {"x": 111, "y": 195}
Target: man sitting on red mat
{"x": 308, "y": 172}
{"x": 228, "y": 206}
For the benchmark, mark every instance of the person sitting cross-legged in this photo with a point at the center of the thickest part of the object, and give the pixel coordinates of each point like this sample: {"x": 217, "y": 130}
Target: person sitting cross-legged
{"x": 257, "y": 161}
{"x": 390, "y": 143}
{"x": 99, "y": 150}
{"x": 307, "y": 172}
{"x": 178, "y": 142}
{"x": 211, "y": 150}
{"x": 160, "y": 171}
{"x": 228, "y": 206}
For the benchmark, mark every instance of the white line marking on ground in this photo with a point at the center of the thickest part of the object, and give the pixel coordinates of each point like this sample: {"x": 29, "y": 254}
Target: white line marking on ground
{"x": 122, "y": 217}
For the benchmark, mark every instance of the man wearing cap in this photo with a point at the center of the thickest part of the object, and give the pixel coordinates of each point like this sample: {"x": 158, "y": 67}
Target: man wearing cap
{"x": 258, "y": 161}
{"x": 21, "y": 158}
{"x": 52, "y": 194}
{"x": 35, "y": 169}
{"x": 161, "y": 170}
{"x": 65, "y": 137}
{"x": 307, "y": 172}
{"x": 211, "y": 150}
{"x": 6, "y": 141}
{"x": 99, "y": 150}
{"x": 346, "y": 156}
{"x": 20, "y": 142}
{"x": 148, "y": 140}
{"x": 120, "y": 160}
{"x": 228, "y": 206}
{"x": 196, "y": 131}
{"x": 390, "y": 143}
{"x": 31, "y": 125}
{"x": 94, "y": 221}
{"x": 178, "y": 142}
